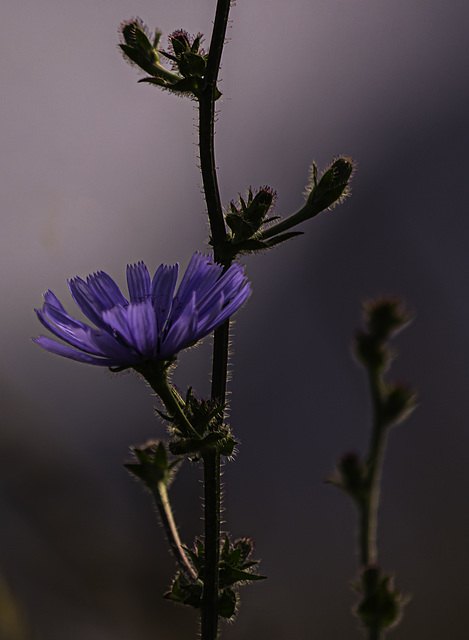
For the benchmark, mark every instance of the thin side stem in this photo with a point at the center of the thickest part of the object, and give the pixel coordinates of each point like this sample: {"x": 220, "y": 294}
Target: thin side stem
{"x": 288, "y": 223}
{"x": 166, "y": 514}
{"x": 157, "y": 378}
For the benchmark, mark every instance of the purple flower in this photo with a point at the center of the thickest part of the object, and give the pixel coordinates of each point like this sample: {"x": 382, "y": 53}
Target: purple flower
{"x": 155, "y": 324}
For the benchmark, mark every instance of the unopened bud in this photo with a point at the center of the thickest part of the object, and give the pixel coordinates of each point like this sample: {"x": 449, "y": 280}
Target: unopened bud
{"x": 333, "y": 186}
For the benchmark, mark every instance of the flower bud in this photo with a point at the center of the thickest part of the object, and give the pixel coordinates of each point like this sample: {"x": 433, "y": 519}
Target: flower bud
{"x": 246, "y": 218}
{"x": 138, "y": 48}
{"x": 188, "y": 61}
{"x": 332, "y": 187}
{"x": 187, "y": 57}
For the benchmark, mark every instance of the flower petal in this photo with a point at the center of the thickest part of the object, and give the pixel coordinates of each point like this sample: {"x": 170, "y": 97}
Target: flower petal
{"x": 86, "y": 301}
{"x": 142, "y": 323}
{"x": 182, "y": 333}
{"x": 138, "y": 282}
{"x": 229, "y": 284}
{"x": 116, "y": 350}
{"x": 64, "y": 350}
{"x": 118, "y": 321}
{"x": 200, "y": 274}
{"x": 162, "y": 291}
{"x": 105, "y": 291}
{"x": 52, "y": 299}
{"x": 78, "y": 336}
{"x": 230, "y": 308}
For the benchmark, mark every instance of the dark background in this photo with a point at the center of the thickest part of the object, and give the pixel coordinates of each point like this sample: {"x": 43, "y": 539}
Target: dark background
{"x": 98, "y": 171}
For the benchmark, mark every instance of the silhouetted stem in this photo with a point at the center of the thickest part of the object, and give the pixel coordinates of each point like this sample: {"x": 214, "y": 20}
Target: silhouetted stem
{"x": 209, "y": 613}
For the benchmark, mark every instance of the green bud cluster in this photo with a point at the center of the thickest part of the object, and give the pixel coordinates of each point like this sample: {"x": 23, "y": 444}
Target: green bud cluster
{"x": 189, "y": 61}
{"x": 246, "y": 220}
{"x": 235, "y": 569}
{"x": 208, "y": 429}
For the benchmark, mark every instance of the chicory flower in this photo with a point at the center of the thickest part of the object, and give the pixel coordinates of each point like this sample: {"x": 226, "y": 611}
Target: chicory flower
{"x": 154, "y": 324}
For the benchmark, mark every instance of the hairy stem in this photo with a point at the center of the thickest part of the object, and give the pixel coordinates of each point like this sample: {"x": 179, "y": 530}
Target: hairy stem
{"x": 158, "y": 380}
{"x": 209, "y": 613}
{"x": 160, "y": 493}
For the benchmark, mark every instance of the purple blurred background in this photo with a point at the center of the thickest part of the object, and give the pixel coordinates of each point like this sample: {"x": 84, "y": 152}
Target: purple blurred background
{"x": 98, "y": 171}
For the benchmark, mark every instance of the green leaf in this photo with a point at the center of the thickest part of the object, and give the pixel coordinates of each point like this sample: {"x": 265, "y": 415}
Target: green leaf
{"x": 231, "y": 575}
{"x": 158, "y": 81}
{"x": 185, "y": 592}
{"x": 227, "y": 603}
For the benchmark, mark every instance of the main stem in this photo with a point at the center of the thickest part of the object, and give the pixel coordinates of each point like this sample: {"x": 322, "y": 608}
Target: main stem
{"x": 209, "y": 613}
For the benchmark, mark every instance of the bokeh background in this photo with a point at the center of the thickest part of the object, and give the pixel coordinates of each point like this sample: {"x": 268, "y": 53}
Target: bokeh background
{"x": 98, "y": 171}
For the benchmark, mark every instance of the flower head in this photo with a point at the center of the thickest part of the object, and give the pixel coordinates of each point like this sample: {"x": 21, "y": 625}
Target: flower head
{"x": 154, "y": 324}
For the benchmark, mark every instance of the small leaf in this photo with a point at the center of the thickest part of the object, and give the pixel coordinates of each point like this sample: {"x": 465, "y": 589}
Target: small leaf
{"x": 227, "y": 603}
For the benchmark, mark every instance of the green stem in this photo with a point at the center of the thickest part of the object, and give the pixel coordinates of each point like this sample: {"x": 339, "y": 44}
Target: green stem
{"x": 295, "y": 219}
{"x": 369, "y": 508}
{"x": 157, "y": 378}
{"x": 209, "y": 613}
{"x": 370, "y": 503}
{"x": 160, "y": 494}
